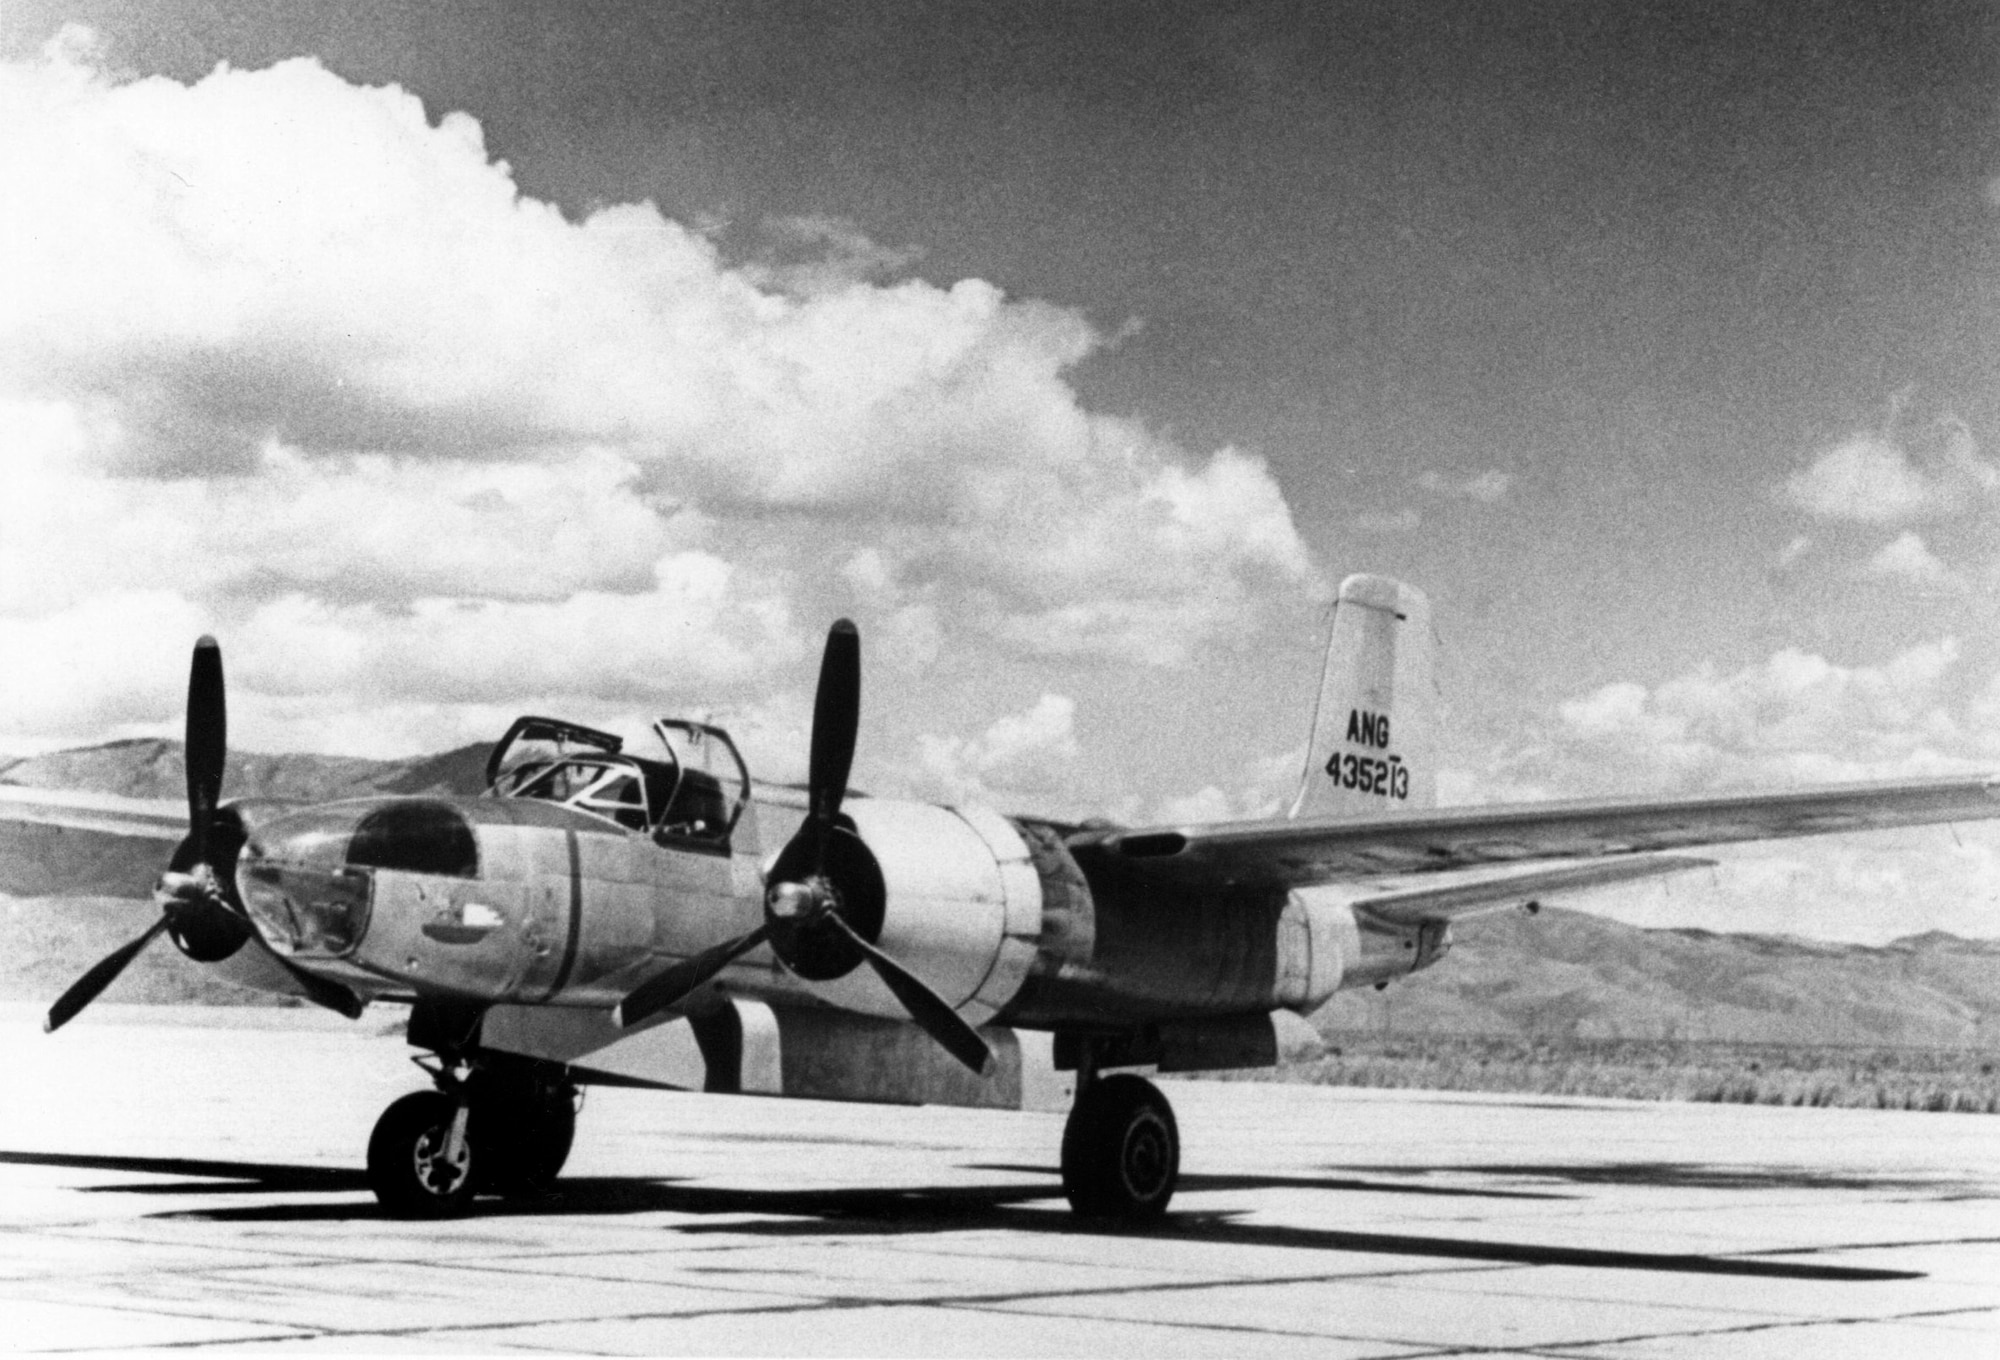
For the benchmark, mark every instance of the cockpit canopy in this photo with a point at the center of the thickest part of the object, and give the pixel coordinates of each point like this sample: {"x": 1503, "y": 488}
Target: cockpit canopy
{"x": 689, "y": 794}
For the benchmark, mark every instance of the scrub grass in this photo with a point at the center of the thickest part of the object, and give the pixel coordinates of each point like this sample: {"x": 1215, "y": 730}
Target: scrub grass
{"x": 1938, "y": 1079}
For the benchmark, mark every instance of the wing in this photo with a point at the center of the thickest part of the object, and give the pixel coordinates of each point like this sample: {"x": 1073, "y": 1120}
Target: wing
{"x": 1286, "y": 854}
{"x": 60, "y": 842}
{"x": 159, "y": 820}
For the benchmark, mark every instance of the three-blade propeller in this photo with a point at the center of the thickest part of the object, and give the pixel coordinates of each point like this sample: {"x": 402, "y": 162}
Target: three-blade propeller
{"x": 804, "y": 897}
{"x": 193, "y": 899}
{"x": 196, "y": 889}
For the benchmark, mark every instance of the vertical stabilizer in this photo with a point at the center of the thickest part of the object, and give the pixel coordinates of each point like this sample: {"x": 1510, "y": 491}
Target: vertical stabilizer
{"x": 1373, "y": 738}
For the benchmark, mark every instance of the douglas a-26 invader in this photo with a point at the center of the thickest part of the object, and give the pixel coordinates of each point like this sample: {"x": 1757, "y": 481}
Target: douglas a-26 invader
{"x": 601, "y": 915}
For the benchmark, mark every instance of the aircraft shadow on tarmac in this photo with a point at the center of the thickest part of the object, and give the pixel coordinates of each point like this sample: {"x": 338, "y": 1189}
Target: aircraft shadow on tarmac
{"x": 1691, "y": 1176}
{"x": 897, "y": 1210}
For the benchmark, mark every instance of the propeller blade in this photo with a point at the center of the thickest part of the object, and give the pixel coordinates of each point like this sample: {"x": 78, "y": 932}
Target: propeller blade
{"x": 325, "y": 992}
{"x": 659, "y": 993}
{"x": 207, "y": 745}
{"x": 925, "y": 1006}
{"x": 836, "y": 724}
{"x": 85, "y": 989}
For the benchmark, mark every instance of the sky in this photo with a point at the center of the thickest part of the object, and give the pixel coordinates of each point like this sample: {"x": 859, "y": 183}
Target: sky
{"x": 454, "y": 361}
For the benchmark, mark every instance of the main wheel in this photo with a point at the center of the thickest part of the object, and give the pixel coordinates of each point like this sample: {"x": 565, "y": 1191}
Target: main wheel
{"x": 523, "y": 1143}
{"x": 1121, "y": 1150}
{"x": 408, "y": 1166}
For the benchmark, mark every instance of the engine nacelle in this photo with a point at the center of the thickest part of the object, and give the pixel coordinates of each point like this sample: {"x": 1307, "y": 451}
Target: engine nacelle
{"x": 1326, "y": 942}
{"x": 963, "y": 907}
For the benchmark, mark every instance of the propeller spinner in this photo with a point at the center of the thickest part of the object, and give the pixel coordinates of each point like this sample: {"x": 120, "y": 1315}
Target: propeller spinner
{"x": 820, "y": 882}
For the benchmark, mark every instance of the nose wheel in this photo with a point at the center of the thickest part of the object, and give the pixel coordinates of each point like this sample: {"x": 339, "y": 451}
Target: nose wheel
{"x": 1121, "y": 1150}
{"x": 420, "y": 1161}
{"x": 505, "y": 1129}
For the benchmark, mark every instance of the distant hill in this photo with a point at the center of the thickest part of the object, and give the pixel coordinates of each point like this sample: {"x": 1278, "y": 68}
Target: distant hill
{"x": 150, "y": 767}
{"x": 1570, "y": 975}
{"x": 1558, "y": 975}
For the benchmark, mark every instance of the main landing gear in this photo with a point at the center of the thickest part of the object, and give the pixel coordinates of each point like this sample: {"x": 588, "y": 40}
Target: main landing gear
{"x": 496, "y": 1124}
{"x": 1121, "y": 1149}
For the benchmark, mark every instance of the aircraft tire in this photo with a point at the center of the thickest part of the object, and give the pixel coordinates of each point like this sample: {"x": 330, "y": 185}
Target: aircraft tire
{"x": 522, "y": 1144}
{"x": 1121, "y": 1151}
{"x": 406, "y": 1167}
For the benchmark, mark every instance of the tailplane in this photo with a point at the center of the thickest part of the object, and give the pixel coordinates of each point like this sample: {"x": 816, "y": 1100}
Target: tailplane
{"x": 1373, "y": 739}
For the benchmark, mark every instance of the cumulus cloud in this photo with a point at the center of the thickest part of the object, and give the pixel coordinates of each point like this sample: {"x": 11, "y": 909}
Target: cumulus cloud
{"x": 1021, "y": 754}
{"x": 116, "y": 663}
{"x": 1893, "y": 478}
{"x": 1907, "y": 558}
{"x": 304, "y": 363}
{"x": 1264, "y": 794}
{"x": 1796, "y": 718}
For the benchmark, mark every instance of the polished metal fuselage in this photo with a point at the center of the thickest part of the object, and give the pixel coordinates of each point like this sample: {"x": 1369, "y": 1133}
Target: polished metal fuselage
{"x": 513, "y": 901}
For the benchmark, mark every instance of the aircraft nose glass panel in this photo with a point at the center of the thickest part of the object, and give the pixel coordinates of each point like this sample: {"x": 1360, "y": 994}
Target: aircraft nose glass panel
{"x": 298, "y": 886}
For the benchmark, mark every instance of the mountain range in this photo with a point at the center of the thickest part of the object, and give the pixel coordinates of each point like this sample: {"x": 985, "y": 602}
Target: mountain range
{"x": 150, "y": 767}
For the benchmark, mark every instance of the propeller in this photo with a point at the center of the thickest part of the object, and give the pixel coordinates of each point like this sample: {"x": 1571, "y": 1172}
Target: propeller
{"x": 189, "y": 898}
{"x": 824, "y": 868}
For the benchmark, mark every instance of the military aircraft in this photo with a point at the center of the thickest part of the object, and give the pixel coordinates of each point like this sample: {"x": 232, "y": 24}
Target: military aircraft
{"x": 601, "y": 915}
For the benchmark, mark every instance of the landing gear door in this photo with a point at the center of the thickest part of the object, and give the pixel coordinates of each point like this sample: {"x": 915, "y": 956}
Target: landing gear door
{"x": 711, "y": 786}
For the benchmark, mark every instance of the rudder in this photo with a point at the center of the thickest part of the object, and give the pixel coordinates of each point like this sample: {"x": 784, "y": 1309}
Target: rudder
{"x": 1373, "y": 739}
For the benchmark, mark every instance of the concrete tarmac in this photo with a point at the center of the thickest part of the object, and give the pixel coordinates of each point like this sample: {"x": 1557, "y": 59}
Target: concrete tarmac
{"x": 192, "y": 1179}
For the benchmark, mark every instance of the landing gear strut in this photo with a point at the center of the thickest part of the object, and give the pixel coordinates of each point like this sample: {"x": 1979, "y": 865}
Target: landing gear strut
{"x": 1121, "y": 1149}
{"x": 495, "y": 1125}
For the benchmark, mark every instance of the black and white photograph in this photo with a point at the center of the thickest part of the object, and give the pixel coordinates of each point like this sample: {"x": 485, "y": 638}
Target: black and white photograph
{"x": 1013, "y": 678}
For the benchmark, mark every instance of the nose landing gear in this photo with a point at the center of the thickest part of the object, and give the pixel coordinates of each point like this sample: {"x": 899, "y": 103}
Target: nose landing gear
{"x": 419, "y": 1158}
{"x": 495, "y": 1125}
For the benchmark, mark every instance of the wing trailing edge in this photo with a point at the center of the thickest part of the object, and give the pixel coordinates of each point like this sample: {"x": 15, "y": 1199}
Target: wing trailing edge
{"x": 1473, "y": 895}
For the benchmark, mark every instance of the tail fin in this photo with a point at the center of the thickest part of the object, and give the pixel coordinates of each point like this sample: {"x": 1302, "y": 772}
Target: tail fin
{"x": 1373, "y": 739}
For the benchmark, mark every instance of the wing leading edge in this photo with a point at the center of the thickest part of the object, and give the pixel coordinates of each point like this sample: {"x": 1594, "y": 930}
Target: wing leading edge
{"x": 1290, "y": 854}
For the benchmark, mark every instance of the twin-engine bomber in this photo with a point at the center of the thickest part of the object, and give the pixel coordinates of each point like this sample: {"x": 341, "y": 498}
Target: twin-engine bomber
{"x": 605, "y": 915}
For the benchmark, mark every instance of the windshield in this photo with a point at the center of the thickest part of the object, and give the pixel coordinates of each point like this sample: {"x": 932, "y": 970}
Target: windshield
{"x": 688, "y": 793}
{"x": 607, "y": 786}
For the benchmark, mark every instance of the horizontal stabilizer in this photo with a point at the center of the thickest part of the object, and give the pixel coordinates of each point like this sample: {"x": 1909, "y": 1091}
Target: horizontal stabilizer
{"x": 1497, "y": 892}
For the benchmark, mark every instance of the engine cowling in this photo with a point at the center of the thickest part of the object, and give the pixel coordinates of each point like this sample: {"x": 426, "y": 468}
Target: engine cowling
{"x": 962, "y": 906}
